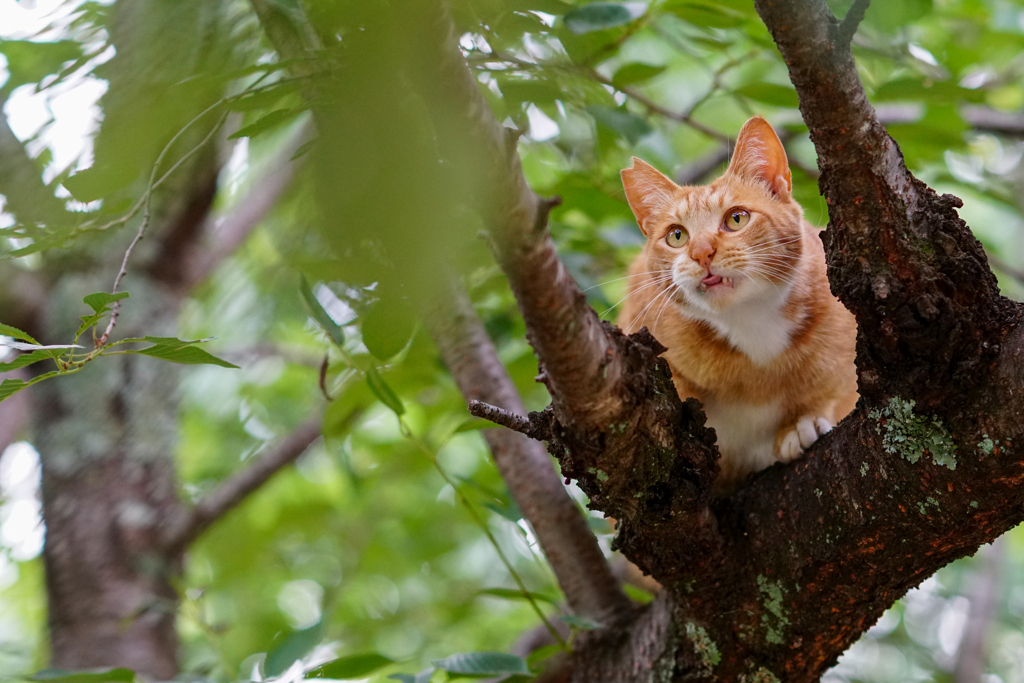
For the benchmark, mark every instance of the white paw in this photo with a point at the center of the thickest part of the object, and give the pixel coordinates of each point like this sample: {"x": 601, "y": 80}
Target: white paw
{"x": 806, "y": 432}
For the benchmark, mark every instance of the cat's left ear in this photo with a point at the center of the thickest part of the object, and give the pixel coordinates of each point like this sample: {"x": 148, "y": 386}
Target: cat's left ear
{"x": 648, "y": 192}
{"x": 760, "y": 156}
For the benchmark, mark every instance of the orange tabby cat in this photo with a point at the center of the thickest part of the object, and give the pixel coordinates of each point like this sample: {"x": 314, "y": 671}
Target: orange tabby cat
{"x": 732, "y": 280}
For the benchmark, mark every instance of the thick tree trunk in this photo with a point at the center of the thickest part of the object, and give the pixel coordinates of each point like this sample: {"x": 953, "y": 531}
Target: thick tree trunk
{"x": 106, "y": 437}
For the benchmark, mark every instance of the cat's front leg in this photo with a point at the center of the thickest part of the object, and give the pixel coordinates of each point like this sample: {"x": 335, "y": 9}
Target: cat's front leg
{"x": 799, "y": 437}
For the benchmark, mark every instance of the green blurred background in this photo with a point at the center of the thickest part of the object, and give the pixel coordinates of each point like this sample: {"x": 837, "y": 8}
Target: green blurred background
{"x": 362, "y": 546}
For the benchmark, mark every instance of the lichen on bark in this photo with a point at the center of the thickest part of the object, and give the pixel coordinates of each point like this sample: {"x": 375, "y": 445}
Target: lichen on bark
{"x": 911, "y": 435}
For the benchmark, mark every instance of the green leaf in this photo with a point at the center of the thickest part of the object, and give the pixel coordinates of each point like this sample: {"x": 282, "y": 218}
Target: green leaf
{"x": 635, "y": 72}
{"x": 317, "y": 312}
{"x": 55, "y": 239}
{"x": 422, "y": 677}
{"x": 474, "y": 424}
{"x": 627, "y": 124}
{"x": 770, "y": 93}
{"x": 99, "y": 301}
{"x": 179, "y": 351}
{"x": 580, "y": 623}
{"x": 519, "y": 90}
{"x": 304, "y": 148}
{"x": 637, "y": 594}
{"x": 705, "y": 14}
{"x": 515, "y": 594}
{"x": 892, "y": 17}
{"x": 483, "y": 664}
{"x": 265, "y": 123}
{"x": 542, "y": 653}
{"x": 353, "y": 666}
{"x": 30, "y": 358}
{"x": 382, "y": 391}
{"x": 263, "y": 98}
{"x": 8, "y": 331}
{"x": 88, "y": 321}
{"x": 597, "y": 16}
{"x": 119, "y": 675}
{"x": 510, "y": 512}
{"x": 30, "y": 61}
{"x": 9, "y": 387}
{"x": 556, "y": 7}
{"x": 909, "y": 89}
{"x": 387, "y": 327}
{"x": 291, "y": 648}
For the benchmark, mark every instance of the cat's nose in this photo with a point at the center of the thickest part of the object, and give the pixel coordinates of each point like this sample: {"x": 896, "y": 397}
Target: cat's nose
{"x": 702, "y": 253}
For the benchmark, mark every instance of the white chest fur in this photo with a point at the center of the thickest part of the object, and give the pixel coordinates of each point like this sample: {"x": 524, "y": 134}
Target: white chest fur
{"x": 755, "y": 326}
{"x": 746, "y": 433}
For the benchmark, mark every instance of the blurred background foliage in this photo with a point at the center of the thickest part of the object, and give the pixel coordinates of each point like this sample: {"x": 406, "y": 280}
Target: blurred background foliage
{"x": 363, "y": 547}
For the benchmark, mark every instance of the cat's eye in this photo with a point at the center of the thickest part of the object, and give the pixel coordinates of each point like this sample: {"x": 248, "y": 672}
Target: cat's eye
{"x": 676, "y": 236}
{"x": 736, "y": 219}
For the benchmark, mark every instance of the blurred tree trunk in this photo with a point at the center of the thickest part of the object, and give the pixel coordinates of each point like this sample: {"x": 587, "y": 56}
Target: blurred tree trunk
{"x": 107, "y": 435}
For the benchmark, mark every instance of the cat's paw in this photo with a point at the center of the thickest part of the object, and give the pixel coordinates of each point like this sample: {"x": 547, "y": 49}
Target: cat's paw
{"x": 806, "y": 432}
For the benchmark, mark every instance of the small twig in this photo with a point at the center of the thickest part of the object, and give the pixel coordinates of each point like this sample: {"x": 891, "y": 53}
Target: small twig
{"x": 652, "y": 106}
{"x": 593, "y": 74}
{"x": 544, "y": 207}
{"x": 143, "y": 224}
{"x": 848, "y": 27}
{"x": 500, "y": 416}
{"x": 323, "y": 377}
{"x": 236, "y": 488}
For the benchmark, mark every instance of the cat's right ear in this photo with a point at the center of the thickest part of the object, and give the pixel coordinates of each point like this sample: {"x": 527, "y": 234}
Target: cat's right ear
{"x": 648, "y": 191}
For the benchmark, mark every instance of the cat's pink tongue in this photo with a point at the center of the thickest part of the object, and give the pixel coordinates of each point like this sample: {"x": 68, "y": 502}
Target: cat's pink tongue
{"x": 711, "y": 280}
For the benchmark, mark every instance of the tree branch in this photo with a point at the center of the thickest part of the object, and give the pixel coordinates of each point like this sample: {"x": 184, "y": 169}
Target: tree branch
{"x": 180, "y": 534}
{"x": 582, "y": 571}
{"x": 848, "y": 27}
{"x": 500, "y": 416}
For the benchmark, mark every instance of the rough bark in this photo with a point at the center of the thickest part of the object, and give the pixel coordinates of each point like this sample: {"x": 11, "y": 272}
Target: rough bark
{"x": 782, "y": 577}
{"x": 106, "y": 438}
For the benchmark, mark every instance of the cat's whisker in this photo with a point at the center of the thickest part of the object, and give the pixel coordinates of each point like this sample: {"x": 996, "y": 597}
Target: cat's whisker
{"x": 654, "y": 329}
{"x": 645, "y": 286}
{"x": 771, "y": 271}
{"x": 626, "y": 277}
{"x": 772, "y": 267}
{"x": 769, "y": 247}
{"x": 642, "y": 315}
{"x": 638, "y": 315}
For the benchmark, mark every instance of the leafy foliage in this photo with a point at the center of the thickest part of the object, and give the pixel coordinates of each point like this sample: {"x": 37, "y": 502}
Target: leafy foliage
{"x": 364, "y": 547}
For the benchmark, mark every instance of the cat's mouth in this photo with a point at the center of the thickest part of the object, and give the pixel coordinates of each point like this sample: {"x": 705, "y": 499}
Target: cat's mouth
{"x": 715, "y": 282}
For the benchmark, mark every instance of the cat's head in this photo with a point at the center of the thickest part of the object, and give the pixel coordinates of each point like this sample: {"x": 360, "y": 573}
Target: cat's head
{"x": 735, "y": 240}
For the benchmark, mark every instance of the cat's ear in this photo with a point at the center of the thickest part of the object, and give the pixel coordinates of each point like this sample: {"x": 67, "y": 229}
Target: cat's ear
{"x": 648, "y": 191}
{"x": 760, "y": 156}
